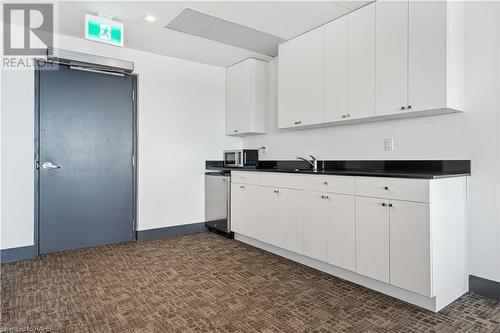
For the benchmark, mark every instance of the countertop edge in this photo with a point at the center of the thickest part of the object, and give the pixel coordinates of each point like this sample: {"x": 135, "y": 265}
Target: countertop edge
{"x": 348, "y": 173}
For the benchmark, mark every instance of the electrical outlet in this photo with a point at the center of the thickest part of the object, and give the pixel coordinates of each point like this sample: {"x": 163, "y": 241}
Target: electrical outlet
{"x": 389, "y": 144}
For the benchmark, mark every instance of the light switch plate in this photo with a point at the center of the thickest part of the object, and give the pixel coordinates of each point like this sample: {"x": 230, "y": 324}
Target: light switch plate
{"x": 389, "y": 144}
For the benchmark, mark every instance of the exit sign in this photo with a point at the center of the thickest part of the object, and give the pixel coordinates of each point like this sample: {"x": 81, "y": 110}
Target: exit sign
{"x": 104, "y": 30}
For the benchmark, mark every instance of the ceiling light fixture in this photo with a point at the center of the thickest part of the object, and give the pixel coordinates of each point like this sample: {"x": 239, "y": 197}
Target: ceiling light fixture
{"x": 149, "y": 18}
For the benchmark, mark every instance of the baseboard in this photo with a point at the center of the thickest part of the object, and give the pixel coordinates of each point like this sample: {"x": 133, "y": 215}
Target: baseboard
{"x": 17, "y": 253}
{"x": 484, "y": 287}
{"x": 185, "y": 229}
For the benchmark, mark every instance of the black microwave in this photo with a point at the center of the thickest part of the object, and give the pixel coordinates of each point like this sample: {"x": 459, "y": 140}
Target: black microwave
{"x": 240, "y": 158}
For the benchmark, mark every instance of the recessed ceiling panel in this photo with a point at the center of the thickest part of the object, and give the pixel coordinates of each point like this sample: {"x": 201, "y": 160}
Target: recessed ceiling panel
{"x": 199, "y": 24}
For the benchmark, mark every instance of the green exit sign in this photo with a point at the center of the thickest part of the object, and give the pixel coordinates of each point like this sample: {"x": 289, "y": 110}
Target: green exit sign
{"x": 104, "y": 30}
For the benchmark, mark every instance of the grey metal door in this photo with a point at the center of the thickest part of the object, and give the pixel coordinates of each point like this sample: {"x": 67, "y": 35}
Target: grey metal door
{"x": 86, "y": 144}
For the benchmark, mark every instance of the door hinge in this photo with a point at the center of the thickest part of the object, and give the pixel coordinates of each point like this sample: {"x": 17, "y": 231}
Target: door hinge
{"x": 133, "y": 95}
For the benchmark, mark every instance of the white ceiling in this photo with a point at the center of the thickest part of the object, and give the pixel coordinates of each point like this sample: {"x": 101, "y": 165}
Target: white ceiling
{"x": 284, "y": 19}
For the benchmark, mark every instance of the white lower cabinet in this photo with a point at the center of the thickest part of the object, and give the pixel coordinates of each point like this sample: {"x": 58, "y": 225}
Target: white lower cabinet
{"x": 269, "y": 219}
{"x": 315, "y": 236}
{"x": 393, "y": 243}
{"x": 329, "y": 228}
{"x": 290, "y": 217}
{"x": 410, "y": 255}
{"x": 280, "y": 217}
{"x": 341, "y": 230}
{"x": 244, "y": 212}
{"x": 372, "y": 238}
{"x": 403, "y": 237}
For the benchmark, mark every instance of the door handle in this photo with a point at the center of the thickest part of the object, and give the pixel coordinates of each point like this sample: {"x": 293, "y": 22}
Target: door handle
{"x": 50, "y": 166}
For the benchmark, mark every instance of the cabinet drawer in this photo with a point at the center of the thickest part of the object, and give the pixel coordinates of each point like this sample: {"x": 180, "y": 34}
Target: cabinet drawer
{"x": 245, "y": 177}
{"x": 285, "y": 180}
{"x": 331, "y": 184}
{"x": 393, "y": 188}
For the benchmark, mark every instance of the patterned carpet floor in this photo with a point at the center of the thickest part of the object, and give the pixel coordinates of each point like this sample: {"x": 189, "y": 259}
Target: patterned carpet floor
{"x": 206, "y": 283}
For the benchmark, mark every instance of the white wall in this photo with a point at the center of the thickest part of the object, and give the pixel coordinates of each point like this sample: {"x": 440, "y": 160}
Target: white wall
{"x": 473, "y": 135}
{"x": 180, "y": 125}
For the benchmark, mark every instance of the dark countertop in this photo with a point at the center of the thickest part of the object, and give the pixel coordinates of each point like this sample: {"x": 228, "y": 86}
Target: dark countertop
{"x": 396, "y": 169}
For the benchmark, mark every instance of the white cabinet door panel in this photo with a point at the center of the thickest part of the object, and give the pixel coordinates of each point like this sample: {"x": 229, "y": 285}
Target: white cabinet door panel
{"x": 315, "y": 235}
{"x": 336, "y": 69}
{"x": 410, "y": 237}
{"x": 341, "y": 230}
{"x": 427, "y": 55}
{"x": 269, "y": 225}
{"x": 290, "y": 212}
{"x": 362, "y": 62}
{"x": 244, "y": 209}
{"x": 300, "y": 80}
{"x": 372, "y": 238}
{"x": 237, "y": 99}
{"x": 391, "y": 57}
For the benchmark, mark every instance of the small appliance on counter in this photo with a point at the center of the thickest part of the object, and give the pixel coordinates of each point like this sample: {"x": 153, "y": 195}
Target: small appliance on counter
{"x": 241, "y": 158}
{"x": 218, "y": 202}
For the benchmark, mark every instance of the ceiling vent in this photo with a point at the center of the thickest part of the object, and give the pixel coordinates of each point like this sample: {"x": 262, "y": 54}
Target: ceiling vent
{"x": 202, "y": 25}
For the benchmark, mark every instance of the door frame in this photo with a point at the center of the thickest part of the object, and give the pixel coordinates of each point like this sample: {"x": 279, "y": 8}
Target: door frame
{"x": 36, "y": 164}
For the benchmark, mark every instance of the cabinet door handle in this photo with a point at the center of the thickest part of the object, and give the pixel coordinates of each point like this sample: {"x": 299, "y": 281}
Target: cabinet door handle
{"x": 409, "y": 107}
{"x": 384, "y": 204}
{"x": 325, "y": 183}
{"x": 276, "y": 191}
{"x": 403, "y": 108}
{"x": 235, "y": 131}
{"x": 348, "y": 115}
{"x": 324, "y": 197}
{"x": 241, "y": 186}
{"x": 390, "y": 205}
{"x": 344, "y": 116}
{"x": 386, "y": 188}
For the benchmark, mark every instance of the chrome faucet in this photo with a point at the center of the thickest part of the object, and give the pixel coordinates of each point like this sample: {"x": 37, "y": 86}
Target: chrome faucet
{"x": 313, "y": 162}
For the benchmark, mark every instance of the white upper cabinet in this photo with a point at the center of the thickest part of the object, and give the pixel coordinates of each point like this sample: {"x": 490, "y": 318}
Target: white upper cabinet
{"x": 350, "y": 66}
{"x": 427, "y": 58}
{"x": 336, "y": 69}
{"x": 246, "y": 97}
{"x": 362, "y": 62}
{"x": 300, "y": 77}
{"x": 386, "y": 60}
{"x": 391, "y": 57}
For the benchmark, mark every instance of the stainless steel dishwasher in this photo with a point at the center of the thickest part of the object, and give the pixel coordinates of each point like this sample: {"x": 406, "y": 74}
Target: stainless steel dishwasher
{"x": 218, "y": 202}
